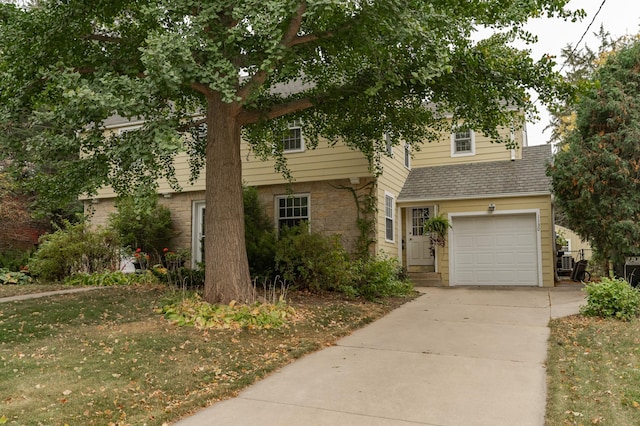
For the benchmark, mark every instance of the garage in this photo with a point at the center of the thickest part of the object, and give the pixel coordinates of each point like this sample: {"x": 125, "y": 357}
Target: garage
{"x": 495, "y": 249}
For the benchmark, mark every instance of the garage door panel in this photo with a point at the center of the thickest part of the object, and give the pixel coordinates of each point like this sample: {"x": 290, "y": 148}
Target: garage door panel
{"x": 495, "y": 250}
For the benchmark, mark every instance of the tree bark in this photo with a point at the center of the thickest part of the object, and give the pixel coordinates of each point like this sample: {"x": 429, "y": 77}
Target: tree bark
{"x": 227, "y": 275}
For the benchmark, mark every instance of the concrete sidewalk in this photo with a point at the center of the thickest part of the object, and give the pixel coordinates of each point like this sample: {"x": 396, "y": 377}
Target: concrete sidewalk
{"x": 459, "y": 356}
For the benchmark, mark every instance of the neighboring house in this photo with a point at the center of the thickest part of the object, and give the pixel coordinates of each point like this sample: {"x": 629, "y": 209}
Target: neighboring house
{"x": 498, "y": 202}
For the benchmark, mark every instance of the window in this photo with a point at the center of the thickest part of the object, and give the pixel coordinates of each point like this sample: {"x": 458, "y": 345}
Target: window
{"x": 388, "y": 144}
{"x": 291, "y": 210}
{"x": 293, "y": 141}
{"x": 197, "y": 232}
{"x": 463, "y": 142}
{"x": 407, "y": 156}
{"x": 389, "y": 217}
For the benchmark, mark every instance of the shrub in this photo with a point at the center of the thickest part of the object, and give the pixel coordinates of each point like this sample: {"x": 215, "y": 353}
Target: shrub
{"x": 185, "y": 278}
{"x": 611, "y": 298}
{"x": 377, "y": 278}
{"x": 75, "y": 248}
{"x": 12, "y": 277}
{"x": 142, "y": 223}
{"x": 260, "y": 238}
{"x": 312, "y": 261}
{"x": 108, "y": 278}
{"x": 15, "y": 260}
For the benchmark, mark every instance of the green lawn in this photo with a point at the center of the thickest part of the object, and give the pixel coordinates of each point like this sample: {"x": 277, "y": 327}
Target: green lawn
{"x": 104, "y": 357}
{"x": 593, "y": 372}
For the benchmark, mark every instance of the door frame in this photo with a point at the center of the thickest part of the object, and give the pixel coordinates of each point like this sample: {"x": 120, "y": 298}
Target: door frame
{"x": 408, "y": 227}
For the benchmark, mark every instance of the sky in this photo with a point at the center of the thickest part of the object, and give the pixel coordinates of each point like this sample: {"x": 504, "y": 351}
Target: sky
{"x": 619, "y": 17}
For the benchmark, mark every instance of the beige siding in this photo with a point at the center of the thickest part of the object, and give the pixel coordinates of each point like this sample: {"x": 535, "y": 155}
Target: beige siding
{"x": 394, "y": 174}
{"x": 576, "y": 243}
{"x": 323, "y": 163}
{"x": 439, "y": 153}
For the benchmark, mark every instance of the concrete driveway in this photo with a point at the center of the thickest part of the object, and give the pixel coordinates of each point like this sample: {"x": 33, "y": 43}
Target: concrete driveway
{"x": 458, "y": 356}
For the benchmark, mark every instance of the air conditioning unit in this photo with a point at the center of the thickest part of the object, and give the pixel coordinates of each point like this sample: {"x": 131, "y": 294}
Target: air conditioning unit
{"x": 567, "y": 262}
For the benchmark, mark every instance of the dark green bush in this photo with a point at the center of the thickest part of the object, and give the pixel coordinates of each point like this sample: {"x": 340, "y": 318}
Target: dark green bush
{"x": 75, "y": 248}
{"x": 142, "y": 223}
{"x": 312, "y": 261}
{"x": 185, "y": 278}
{"x": 260, "y": 238}
{"x": 376, "y": 278}
{"x": 611, "y": 298}
{"x": 15, "y": 260}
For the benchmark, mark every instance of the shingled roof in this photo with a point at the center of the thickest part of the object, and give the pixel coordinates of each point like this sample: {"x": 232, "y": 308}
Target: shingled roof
{"x": 469, "y": 180}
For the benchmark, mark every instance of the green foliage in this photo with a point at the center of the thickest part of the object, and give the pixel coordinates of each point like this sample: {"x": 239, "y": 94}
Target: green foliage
{"x": 11, "y": 277}
{"x": 184, "y": 278}
{"x": 108, "y": 279}
{"x": 194, "y": 312}
{"x": 75, "y": 248}
{"x": 317, "y": 262}
{"x": 377, "y": 278}
{"x": 612, "y": 298}
{"x": 312, "y": 261}
{"x": 260, "y": 238}
{"x": 15, "y": 260}
{"x": 596, "y": 173}
{"x": 142, "y": 223}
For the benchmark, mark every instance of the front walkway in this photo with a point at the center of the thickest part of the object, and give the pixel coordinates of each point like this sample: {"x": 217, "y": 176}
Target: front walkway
{"x": 460, "y": 356}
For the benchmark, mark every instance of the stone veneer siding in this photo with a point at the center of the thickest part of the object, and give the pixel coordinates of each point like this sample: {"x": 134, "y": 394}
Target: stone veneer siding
{"x": 333, "y": 211}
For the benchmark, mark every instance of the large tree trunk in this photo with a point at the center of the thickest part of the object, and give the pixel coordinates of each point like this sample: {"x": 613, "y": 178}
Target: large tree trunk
{"x": 227, "y": 275}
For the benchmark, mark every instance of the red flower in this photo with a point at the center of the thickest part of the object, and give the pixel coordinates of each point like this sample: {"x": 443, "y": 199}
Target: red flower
{"x": 138, "y": 250}
{"x": 164, "y": 250}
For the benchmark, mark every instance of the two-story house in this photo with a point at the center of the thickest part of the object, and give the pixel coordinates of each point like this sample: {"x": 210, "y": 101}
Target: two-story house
{"x": 498, "y": 202}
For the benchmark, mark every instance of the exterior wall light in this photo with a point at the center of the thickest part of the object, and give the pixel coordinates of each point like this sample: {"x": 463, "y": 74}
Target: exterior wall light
{"x": 492, "y": 207}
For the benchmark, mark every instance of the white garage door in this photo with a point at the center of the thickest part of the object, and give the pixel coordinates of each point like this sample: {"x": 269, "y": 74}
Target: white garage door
{"x": 495, "y": 250}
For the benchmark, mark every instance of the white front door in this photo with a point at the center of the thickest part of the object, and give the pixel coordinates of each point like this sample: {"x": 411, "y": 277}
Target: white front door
{"x": 418, "y": 245}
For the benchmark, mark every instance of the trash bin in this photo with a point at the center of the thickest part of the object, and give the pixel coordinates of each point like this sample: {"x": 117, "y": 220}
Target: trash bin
{"x": 579, "y": 270}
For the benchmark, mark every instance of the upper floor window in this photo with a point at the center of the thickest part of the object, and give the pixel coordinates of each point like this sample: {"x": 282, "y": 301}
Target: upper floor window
{"x": 407, "y": 156}
{"x": 292, "y": 210}
{"x": 388, "y": 144}
{"x": 463, "y": 142}
{"x": 389, "y": 217}
{"x": 293, "y": 140}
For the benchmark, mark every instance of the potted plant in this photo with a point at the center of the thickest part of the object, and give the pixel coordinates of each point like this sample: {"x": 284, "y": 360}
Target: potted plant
{"x": 437, "y": 227}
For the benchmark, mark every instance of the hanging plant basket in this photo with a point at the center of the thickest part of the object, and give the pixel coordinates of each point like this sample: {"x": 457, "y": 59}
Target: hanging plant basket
{"x": 437, "y": 227}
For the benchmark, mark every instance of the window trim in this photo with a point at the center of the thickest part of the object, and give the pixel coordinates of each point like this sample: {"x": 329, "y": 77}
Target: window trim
{"x": 392, "y": 218}
{"x": 276, "y": 207}
{"x": 294, "y": 125}
{"x": 472, "y": 151}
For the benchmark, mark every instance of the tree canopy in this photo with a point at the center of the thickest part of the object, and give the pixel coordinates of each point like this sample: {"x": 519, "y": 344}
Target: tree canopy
{"x": 596, "y": 173}
{"x": 351, "y": 70}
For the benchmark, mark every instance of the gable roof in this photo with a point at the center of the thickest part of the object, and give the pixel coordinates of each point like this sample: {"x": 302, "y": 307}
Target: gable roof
{"x": 526, "y": 176}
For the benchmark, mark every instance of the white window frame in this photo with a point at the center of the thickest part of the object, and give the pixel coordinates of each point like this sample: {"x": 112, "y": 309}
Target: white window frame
{"x": 291, "y": 196}
{"x": 389, "y": 217}
{"x": 472, "y": 143}
{"x": 293, "y": 127}
{"x": 407, "y": 156}
{"x": 197, "y": 231}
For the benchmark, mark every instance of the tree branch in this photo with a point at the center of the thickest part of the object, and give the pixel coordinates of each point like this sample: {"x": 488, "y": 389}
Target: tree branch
{"x": 199, "y": 87}
{"x": 288, "y": 37}
{"x": 192, "y": 124}
{"x": 250, "y": 117}
{"x": 103, "y": 37}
